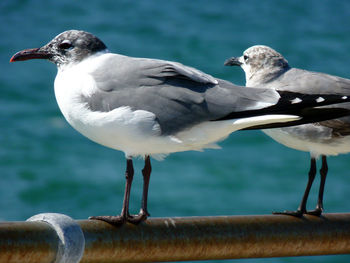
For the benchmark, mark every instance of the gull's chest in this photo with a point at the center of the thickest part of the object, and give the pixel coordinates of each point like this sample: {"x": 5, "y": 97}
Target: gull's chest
{"x": 122, "y": 128}
{"x": 70, "y": 86}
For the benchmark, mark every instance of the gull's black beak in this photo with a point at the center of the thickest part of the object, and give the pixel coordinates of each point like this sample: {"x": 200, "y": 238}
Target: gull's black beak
{"x": 33, "y": 53}
{"x": 234, "y": 61}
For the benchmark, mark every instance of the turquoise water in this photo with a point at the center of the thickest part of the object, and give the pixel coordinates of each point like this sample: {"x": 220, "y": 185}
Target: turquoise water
{"x": 46, "y": 166}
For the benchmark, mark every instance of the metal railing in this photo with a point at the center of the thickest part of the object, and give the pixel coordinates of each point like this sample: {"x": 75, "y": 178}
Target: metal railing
{"x": 180, "y": 239}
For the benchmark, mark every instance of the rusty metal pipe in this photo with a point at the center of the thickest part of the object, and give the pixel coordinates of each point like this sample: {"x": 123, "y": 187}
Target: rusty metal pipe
{"x": 28, "y": 242}
{"x": 178, "y": 239}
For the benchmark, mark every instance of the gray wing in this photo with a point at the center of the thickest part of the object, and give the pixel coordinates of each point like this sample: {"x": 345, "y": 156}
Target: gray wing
{"x": 179, "y": 96}
{"x": 118, "y": 72}
{"x": 309, "y": 82}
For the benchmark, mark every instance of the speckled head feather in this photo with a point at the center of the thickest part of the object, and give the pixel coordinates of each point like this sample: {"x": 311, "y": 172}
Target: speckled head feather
{"x": 263, "y": 56}
{"x": 262, "y": 64}
{"x": 73, "y": 46}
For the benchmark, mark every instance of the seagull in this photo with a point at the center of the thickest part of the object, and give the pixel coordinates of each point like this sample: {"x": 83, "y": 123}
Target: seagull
{"x": 151, "y": 108}
{"x": 264, "y": 67}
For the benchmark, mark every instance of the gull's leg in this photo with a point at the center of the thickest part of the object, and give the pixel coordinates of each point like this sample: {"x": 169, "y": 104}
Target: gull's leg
{"x": 302, "y": 207}
{"x": 323, "y": 172}
{"x": 146, "y": 172}
{"x": 124, "y": 215}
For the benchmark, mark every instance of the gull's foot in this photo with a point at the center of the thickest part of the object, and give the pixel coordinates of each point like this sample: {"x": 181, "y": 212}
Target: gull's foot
{"x": 316, "y": 212}
{"x": 297, "y": 213}
{"x": 136, "y": 219}
{"x": 113, "y": 220}
{"x": 120, "y": 220}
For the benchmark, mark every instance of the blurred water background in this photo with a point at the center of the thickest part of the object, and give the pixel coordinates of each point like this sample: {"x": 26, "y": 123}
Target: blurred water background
{"x": 46, "y": 166}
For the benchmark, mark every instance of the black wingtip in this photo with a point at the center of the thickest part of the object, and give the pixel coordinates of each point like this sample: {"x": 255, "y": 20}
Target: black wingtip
{"x": 293, "y": 103}
{"x": 313, "y": 100}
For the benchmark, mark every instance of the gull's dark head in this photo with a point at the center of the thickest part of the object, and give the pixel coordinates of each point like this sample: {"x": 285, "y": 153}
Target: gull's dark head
{"x": 71, "y": 46}
{"x": 259, "y": 61}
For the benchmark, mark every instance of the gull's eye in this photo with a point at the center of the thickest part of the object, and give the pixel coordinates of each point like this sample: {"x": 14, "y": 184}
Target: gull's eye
{"x": 66, "y": 44}
{"x": 245, "y": 57}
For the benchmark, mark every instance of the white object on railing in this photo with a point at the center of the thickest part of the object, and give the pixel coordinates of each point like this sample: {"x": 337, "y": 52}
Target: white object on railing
{"x": 71, "y": 238}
